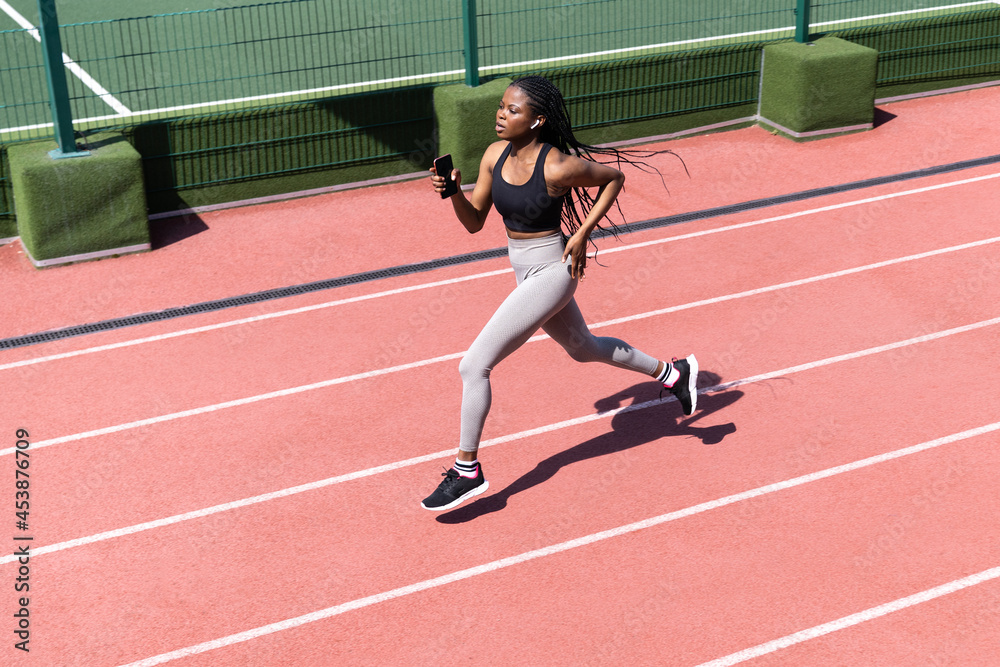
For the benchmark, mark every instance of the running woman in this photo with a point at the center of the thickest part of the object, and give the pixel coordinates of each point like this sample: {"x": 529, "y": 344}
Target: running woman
{"x": 530, "y": 184}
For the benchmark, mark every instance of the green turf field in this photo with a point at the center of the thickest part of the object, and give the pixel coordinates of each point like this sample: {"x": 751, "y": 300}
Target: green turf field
{"x": 144, "y": 59}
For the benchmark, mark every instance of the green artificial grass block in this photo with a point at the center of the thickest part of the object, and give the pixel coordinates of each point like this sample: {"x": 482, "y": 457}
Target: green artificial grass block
{"x": 465, "y": 122}
{"x": 820, "y": 88}
{"x": 80, "y": 208}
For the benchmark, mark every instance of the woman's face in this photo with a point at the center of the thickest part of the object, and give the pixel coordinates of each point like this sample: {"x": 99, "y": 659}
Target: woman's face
{"x": 515, "y": 117}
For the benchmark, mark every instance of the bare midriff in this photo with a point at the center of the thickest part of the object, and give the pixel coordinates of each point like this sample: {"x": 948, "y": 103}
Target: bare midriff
{"x": 531, "y": 235}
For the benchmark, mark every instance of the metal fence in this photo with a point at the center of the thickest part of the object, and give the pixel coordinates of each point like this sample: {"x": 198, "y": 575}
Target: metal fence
{"x": 124, "y": 73}
{"x": 839, "y": 15}
{"x": 226, "y": 58}
{"x": 963, "y": 47}
{"x": 22, "y": 79}
{"x": 551, "y": 33}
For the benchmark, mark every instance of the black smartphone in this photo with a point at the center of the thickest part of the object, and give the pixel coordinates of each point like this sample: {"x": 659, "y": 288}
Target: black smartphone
{"x": 443, "y": 167}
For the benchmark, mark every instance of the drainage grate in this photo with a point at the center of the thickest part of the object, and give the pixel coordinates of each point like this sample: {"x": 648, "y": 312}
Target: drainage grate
{"x": 407, "y": 269}
{"x": 247, "y": 299}
{"x": 810, "y": 194}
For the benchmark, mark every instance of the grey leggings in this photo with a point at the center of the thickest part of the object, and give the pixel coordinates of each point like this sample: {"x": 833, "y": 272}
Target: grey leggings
{"x": 543, "y": 298}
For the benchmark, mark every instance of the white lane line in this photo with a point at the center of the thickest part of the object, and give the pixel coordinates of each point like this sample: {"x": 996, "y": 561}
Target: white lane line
{"x": 70, "y": 64}
{"x": 580, "y": 542}
{"x": 457, "y": 355}
{"x": 311, "y": 486}
{"x": 339, "y": 302}
{"x": 235, "y": 403}
{"x": 798, "y": 214}
{"x": 249, "y": 320}
{"x": 855, "y": 619}
{"x": 791, "y": 283}
{"x": 447, "y": 357}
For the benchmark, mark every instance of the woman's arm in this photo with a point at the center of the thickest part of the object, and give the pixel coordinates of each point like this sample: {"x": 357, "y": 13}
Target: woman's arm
{"x": 472, "y": 214}
{"x": 574, "y": 172}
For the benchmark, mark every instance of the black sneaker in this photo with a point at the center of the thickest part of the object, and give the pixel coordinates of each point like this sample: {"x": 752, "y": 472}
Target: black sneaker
{"x": 685, "y": 388}
{"x": 455, "y": 489}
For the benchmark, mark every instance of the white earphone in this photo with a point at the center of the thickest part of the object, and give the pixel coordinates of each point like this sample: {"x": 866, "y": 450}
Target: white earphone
{"x": 536, "y": 123}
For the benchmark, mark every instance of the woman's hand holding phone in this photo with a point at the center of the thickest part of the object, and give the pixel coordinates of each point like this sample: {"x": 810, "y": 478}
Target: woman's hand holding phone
{"x": 446, "y": 177}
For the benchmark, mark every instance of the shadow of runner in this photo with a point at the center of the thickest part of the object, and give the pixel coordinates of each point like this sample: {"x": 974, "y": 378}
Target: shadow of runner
{"x": 630, "y": 428}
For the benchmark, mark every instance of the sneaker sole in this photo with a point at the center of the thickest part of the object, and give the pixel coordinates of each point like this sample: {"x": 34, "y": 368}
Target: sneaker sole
{"x": 462, "y": 498}
{"x": 693, "y": 383}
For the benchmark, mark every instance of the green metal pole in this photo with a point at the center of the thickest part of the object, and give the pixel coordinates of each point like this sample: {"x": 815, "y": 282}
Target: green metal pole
{"x": 62, "y": 116}
{"x": 471, "y": 43}
{"x": 802, "y": 21}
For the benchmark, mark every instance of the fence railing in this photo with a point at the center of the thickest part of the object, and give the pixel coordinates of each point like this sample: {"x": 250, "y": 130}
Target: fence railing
{"x": 963, "y": 47}
{"x": 227, "y": 58}
{"x": 230, "y": 58}
{"x": 552, "y": 33}
{"x": 126, "y": 72}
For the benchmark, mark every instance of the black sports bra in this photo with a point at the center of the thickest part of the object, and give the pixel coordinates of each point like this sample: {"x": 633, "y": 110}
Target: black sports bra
{"x": 528, "y": 207}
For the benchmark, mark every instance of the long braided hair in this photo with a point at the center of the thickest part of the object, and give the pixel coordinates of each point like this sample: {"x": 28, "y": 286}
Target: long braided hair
{"x": 546, "y": 100}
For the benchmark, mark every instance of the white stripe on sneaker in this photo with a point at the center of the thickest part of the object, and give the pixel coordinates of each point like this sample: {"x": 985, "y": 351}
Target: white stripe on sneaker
{"x": 693, "y": 382}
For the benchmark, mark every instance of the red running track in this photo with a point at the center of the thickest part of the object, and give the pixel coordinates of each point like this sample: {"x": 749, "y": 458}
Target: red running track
{"x": 242, "y": 487}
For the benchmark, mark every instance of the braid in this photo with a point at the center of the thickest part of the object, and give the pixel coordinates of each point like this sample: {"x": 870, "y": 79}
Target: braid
{"x": 546, "y": 100}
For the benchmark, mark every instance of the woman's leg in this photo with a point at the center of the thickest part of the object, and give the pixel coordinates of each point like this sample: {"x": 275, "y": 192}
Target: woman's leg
{"x": 543, "y": 298}
{"x": 539, "y": 295}
{"x": 568, "y": 328}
